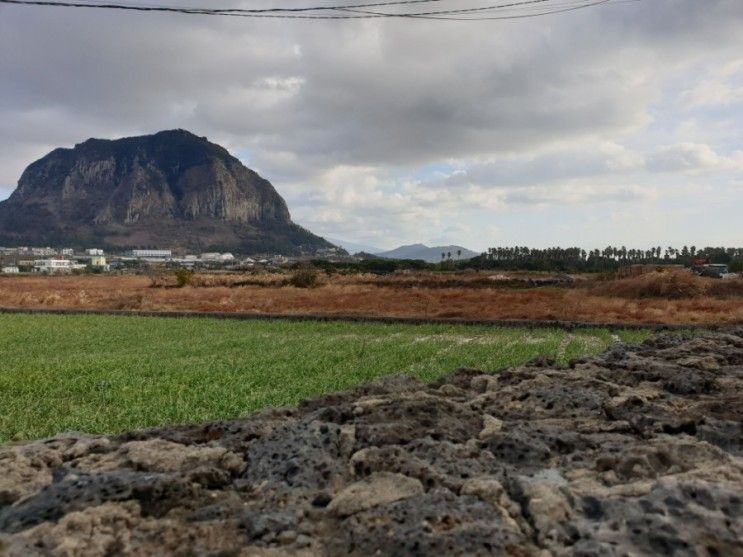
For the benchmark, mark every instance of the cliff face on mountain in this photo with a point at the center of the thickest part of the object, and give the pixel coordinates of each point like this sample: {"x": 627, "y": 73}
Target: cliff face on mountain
{"x": 171, "y": 189}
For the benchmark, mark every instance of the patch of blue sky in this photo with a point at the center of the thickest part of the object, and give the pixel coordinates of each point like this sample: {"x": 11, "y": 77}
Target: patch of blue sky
{"x": 245, "y": 155}
{"x": 436, "y": 170}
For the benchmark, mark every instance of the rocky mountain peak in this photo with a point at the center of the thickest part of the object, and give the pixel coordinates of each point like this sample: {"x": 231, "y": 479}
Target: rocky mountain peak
{"x": 171, "y": 188}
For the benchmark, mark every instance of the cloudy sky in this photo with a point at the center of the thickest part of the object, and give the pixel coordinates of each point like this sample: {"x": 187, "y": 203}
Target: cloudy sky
{"x": 616, "y": 124}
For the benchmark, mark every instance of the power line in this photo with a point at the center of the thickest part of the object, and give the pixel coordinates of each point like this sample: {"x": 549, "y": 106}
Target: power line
{"x": 459, "y": 10}
{"x": 347, "y": 11}
{"x": 325, "y": 8}
{"x": 557, "y": 10}
{"x": 282, "y": 13}
{"x": 205, "y": 11}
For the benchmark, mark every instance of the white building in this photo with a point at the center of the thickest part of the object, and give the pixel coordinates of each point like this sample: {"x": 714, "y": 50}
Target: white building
{"x": 94, "y": 251}
{"x": 217, "y": 257}
{"x": 98, "y": 261}
{"x": 53, "y": 265}
{"x": 152, "y": 253}
{"x": 43, "y": 252}
{"x": 12, "y": 270}
{"x": 67, "y": 251}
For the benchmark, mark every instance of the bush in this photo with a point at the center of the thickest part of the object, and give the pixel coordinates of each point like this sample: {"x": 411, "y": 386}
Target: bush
{"x": 157, "y": 280}
{"x": 183, "y": 277}
{"x": 606, "y": 276}
{"x": 304, "y": 278}
{"x": 671, "y": 285}
{"x": 726, "y": 288}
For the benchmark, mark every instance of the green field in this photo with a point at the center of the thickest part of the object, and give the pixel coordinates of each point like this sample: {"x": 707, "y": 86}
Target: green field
{"x": 103, "y": 374}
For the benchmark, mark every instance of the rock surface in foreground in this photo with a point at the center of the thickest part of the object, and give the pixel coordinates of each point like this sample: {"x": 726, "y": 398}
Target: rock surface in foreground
{"x": 635, "y": 452}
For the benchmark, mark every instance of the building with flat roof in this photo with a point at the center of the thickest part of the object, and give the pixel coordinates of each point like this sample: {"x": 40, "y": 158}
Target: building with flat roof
{"x": 98, "y": 261}
{"x": 152, "y": 253}
{"x": 43, "y": 252}
{"x": 53, "y": 265}
{"x": 217, "y": 257}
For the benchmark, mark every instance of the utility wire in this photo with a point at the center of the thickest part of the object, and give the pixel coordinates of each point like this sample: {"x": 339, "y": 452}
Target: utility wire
{"x": 458, "y": 10}
{"x": 556, "y": 10}
{"x": 143, "y": 7}
{"x": 282, "y": 13}
{"x": 348, "y": 11}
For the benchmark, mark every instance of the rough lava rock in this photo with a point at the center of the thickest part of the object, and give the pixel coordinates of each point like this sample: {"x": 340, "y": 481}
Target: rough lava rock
{"x": 638, "y": 451}
{"x": 171, "y": 189}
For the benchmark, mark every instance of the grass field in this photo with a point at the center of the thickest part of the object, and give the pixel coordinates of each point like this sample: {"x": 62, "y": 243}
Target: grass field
{"x": 101, "y": 374}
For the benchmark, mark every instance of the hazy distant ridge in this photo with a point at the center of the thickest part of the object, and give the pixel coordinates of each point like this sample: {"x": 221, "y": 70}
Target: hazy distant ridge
{"x": 430, "y": 254}
{"x": 353, "y": 247}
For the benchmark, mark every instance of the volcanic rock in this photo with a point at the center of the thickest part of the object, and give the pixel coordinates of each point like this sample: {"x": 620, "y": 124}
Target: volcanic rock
{"x": 170, "y": 190}
{"x": 638, "y": 451}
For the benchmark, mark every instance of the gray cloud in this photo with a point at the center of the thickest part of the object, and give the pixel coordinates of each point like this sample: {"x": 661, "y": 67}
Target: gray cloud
{"x": 301, "y": 99}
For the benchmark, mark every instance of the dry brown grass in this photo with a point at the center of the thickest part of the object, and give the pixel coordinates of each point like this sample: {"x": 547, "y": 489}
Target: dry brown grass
{"x": 609, "y": 302}
{"x": 670, "y": 285}
{"x": 667, "y": 285}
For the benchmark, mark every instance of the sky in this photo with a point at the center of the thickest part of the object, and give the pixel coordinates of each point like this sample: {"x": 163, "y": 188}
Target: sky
{"x": 619, "y": 124}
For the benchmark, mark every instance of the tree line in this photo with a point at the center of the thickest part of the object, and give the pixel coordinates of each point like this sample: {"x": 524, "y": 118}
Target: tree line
{"x": 610, "y": 258}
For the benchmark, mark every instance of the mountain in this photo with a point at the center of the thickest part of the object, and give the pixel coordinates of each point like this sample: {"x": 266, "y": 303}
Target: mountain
{"x": 170, "y": 190}
{"x": 432, "y": 255}
{"x": 354, "y": 247}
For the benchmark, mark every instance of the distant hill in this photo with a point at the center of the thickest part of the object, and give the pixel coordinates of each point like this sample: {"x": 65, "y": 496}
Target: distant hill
{"x": 354, "y": 247}
{"x": 430, "y": 254}
{"x": 172, "y": 190}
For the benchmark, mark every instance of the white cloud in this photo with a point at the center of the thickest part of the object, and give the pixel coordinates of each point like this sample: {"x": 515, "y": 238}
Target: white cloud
{"x": 398, "y": 131}
{"x": 693, "y": 158}
{"x": 722, "y": 87}
{"x": 713, "y": 93}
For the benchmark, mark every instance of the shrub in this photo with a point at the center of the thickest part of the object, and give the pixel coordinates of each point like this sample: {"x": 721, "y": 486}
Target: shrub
{"x": 304, "y": 278}
{"x": 736, "y": 266}
{"x": 671, "y": 285}
{"x": 726, "y": 288}
{"x": 157, "y": 280}
{"x": 183, "y": 277}
{"x": 606, "y": 276}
